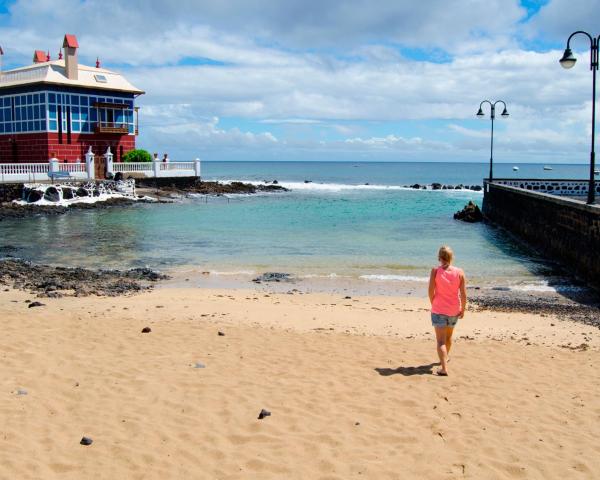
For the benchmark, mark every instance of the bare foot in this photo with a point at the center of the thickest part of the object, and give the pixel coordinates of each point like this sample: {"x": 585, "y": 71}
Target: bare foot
{"x": 441, "y": 373}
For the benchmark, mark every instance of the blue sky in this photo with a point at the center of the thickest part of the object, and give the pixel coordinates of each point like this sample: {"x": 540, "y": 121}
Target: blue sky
{"x": 336, "y": 80}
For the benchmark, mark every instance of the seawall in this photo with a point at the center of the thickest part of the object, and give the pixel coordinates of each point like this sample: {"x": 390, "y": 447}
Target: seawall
{"x": 560, "y": 228}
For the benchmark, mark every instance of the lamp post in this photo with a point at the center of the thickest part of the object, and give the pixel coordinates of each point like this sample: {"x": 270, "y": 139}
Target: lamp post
{"x": 568, "y": 61}
{"x": 492, "y": 116}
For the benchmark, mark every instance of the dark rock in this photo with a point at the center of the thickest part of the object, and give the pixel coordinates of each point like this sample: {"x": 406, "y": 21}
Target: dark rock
{"x": 436, "y": 186}
{"x": 307, "y": 181}
{"x": 50, "y": 281}
{"x": 86, "y": 441}
{"x": 273, "y": 277}
{"x": 264, "y": 413}
{"x": 275, "y": 182}
{"x": 477, "y": 188}
{"x": 470, "y": 214}
{"x": 146, "y": 330}
{"x": 35, "y": 304}
{"x": 416, "y": 186}
{"x": 347, "y": 298}
{"x": 221, "y": 334}
{"x": 52, "y": 194}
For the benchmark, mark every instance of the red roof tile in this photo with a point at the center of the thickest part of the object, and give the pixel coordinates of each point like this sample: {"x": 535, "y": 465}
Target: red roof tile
{"x": 39, "y": 56}
{"x": 70, "y": 41}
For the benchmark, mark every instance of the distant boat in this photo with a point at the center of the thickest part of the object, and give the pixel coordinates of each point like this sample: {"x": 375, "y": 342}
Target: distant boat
{"x": 515, "y": 169}
{"x": 546, "y": 167}
{"x": 596, "y": 172}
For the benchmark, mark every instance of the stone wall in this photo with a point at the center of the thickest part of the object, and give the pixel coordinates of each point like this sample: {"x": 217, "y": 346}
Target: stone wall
{"x": 563, "y": 229}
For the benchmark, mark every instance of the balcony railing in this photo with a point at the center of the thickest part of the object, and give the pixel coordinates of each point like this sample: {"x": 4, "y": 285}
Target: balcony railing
{"x": 111, "y": 127}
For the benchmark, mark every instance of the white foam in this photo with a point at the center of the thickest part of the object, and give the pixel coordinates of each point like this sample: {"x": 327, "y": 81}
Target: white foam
{"x": 544, "y": 287}
{"x": 397, "y": 278}
{"x": 234, "y": 272}
{"x": 329, "y": 275}
{"x": 339, "y": 187}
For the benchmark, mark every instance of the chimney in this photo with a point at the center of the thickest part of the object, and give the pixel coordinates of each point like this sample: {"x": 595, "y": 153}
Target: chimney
{"x": 70, "y": 46}
{"x": 39, "y": 56}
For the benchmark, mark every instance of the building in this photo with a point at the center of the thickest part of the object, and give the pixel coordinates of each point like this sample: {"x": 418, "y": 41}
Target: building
{"x": 61, "y": 108}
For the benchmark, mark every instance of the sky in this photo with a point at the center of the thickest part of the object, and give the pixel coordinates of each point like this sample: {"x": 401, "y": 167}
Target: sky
{"x": 355, "y": 80}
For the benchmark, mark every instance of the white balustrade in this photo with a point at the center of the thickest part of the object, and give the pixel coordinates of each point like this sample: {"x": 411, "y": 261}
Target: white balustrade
{"x": 23, "y": 168}
{"x": 35, "y": 172}
{"x": 72, "y": 167}
{"x": 164, "y": 166}
{"x": 132, "y": 167}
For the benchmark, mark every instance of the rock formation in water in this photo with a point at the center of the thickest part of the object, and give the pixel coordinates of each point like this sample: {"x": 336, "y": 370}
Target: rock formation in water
{"x": 470, "y": 214}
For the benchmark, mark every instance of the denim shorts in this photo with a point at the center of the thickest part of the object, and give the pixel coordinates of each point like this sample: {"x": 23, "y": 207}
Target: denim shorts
{"x": 439, "y": 320}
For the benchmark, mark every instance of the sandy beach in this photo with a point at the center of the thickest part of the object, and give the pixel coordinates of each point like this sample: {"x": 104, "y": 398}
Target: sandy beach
{"x": 348, "y": 381}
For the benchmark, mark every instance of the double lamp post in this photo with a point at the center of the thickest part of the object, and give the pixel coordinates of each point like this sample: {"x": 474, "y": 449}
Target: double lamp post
{"x": 480, "y": 114}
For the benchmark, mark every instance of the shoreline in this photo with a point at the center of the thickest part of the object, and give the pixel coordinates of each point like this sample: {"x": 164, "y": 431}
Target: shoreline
{"x": 581, "y": 305}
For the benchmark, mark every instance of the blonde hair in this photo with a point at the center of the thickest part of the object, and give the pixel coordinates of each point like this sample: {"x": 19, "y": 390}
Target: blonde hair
{"x": 445, "y": 254}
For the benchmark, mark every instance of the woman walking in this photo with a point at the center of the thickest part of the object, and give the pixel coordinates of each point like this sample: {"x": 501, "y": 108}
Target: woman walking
{"x": 448, "y": 296}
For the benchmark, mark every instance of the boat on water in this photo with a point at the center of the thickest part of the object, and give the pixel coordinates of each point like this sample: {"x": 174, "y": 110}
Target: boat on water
{"x": 596, "y": 172}
{"x": 515, "y": 169}
{"x": 546, "y": 167}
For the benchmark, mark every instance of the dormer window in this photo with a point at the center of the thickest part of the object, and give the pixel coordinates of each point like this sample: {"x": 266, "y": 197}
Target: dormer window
{"x": 101, "y": 78}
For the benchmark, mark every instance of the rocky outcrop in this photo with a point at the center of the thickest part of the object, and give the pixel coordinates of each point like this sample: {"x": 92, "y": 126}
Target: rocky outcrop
{"x": 50, "y": 281}
{"x": 470, "y": 214}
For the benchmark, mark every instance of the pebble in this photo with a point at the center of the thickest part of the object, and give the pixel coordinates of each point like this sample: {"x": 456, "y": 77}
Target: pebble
{"x": 221, "y": 334}
{"x": 86, "y": 441}
{"x": 199, "y": 365}
{"x": 146, "y": 330}
{"x": 264, "y": 413}
{"x": 21, "y": 391}
{"x": 35, "y": 304}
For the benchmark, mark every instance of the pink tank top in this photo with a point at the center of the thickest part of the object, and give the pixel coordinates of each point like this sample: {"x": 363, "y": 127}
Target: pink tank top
{"x": 447, "y": 285}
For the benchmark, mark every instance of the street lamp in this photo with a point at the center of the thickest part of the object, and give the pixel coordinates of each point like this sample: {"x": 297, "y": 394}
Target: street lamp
{"x": 568, "y": 61}
{"x": 480, "y": 114}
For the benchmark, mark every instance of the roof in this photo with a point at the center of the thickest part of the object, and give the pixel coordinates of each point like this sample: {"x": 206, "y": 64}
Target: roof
{"x": 53, "y": 73}
{"x": 70, "y": 41}
{"x": 39, "y": 56}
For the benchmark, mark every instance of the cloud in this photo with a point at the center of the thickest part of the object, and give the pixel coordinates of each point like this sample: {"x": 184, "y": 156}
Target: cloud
{"x": 559, "y": 18}
{"x": 342, "y": 75}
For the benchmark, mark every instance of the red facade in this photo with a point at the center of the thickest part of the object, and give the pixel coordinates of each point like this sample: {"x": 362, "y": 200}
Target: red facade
{"x": 39, "y": 147}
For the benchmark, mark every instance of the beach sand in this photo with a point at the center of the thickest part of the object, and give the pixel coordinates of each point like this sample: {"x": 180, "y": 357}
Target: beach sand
{"x": 348, "y": 381}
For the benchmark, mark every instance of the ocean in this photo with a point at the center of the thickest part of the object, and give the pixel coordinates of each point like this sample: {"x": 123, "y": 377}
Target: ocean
{"x": 340, "y": 221}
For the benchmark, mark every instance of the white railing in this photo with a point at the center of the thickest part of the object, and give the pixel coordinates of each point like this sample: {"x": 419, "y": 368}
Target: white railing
{"x": 72, "y": 167}
{"x": 23, "y": 168}
{"x": 164, "y": 166}
{"x": 31, "y": 74}
{"x": 26, "y": 172}
{"x": 37, "y": 172}
{"x": 157, "y": 169}
{"x": 132, "y": 167}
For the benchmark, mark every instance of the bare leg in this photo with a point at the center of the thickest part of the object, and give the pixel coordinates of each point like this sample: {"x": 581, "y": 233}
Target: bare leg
{"x": 440, "y": 337}
{"x": 449, "y": 332}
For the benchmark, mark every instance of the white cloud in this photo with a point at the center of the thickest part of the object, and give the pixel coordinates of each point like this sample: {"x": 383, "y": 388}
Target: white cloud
{"x": 328, "y": 69}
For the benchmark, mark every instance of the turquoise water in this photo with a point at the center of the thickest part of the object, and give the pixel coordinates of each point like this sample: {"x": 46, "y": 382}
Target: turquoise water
{"x": 334, "y": 226}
